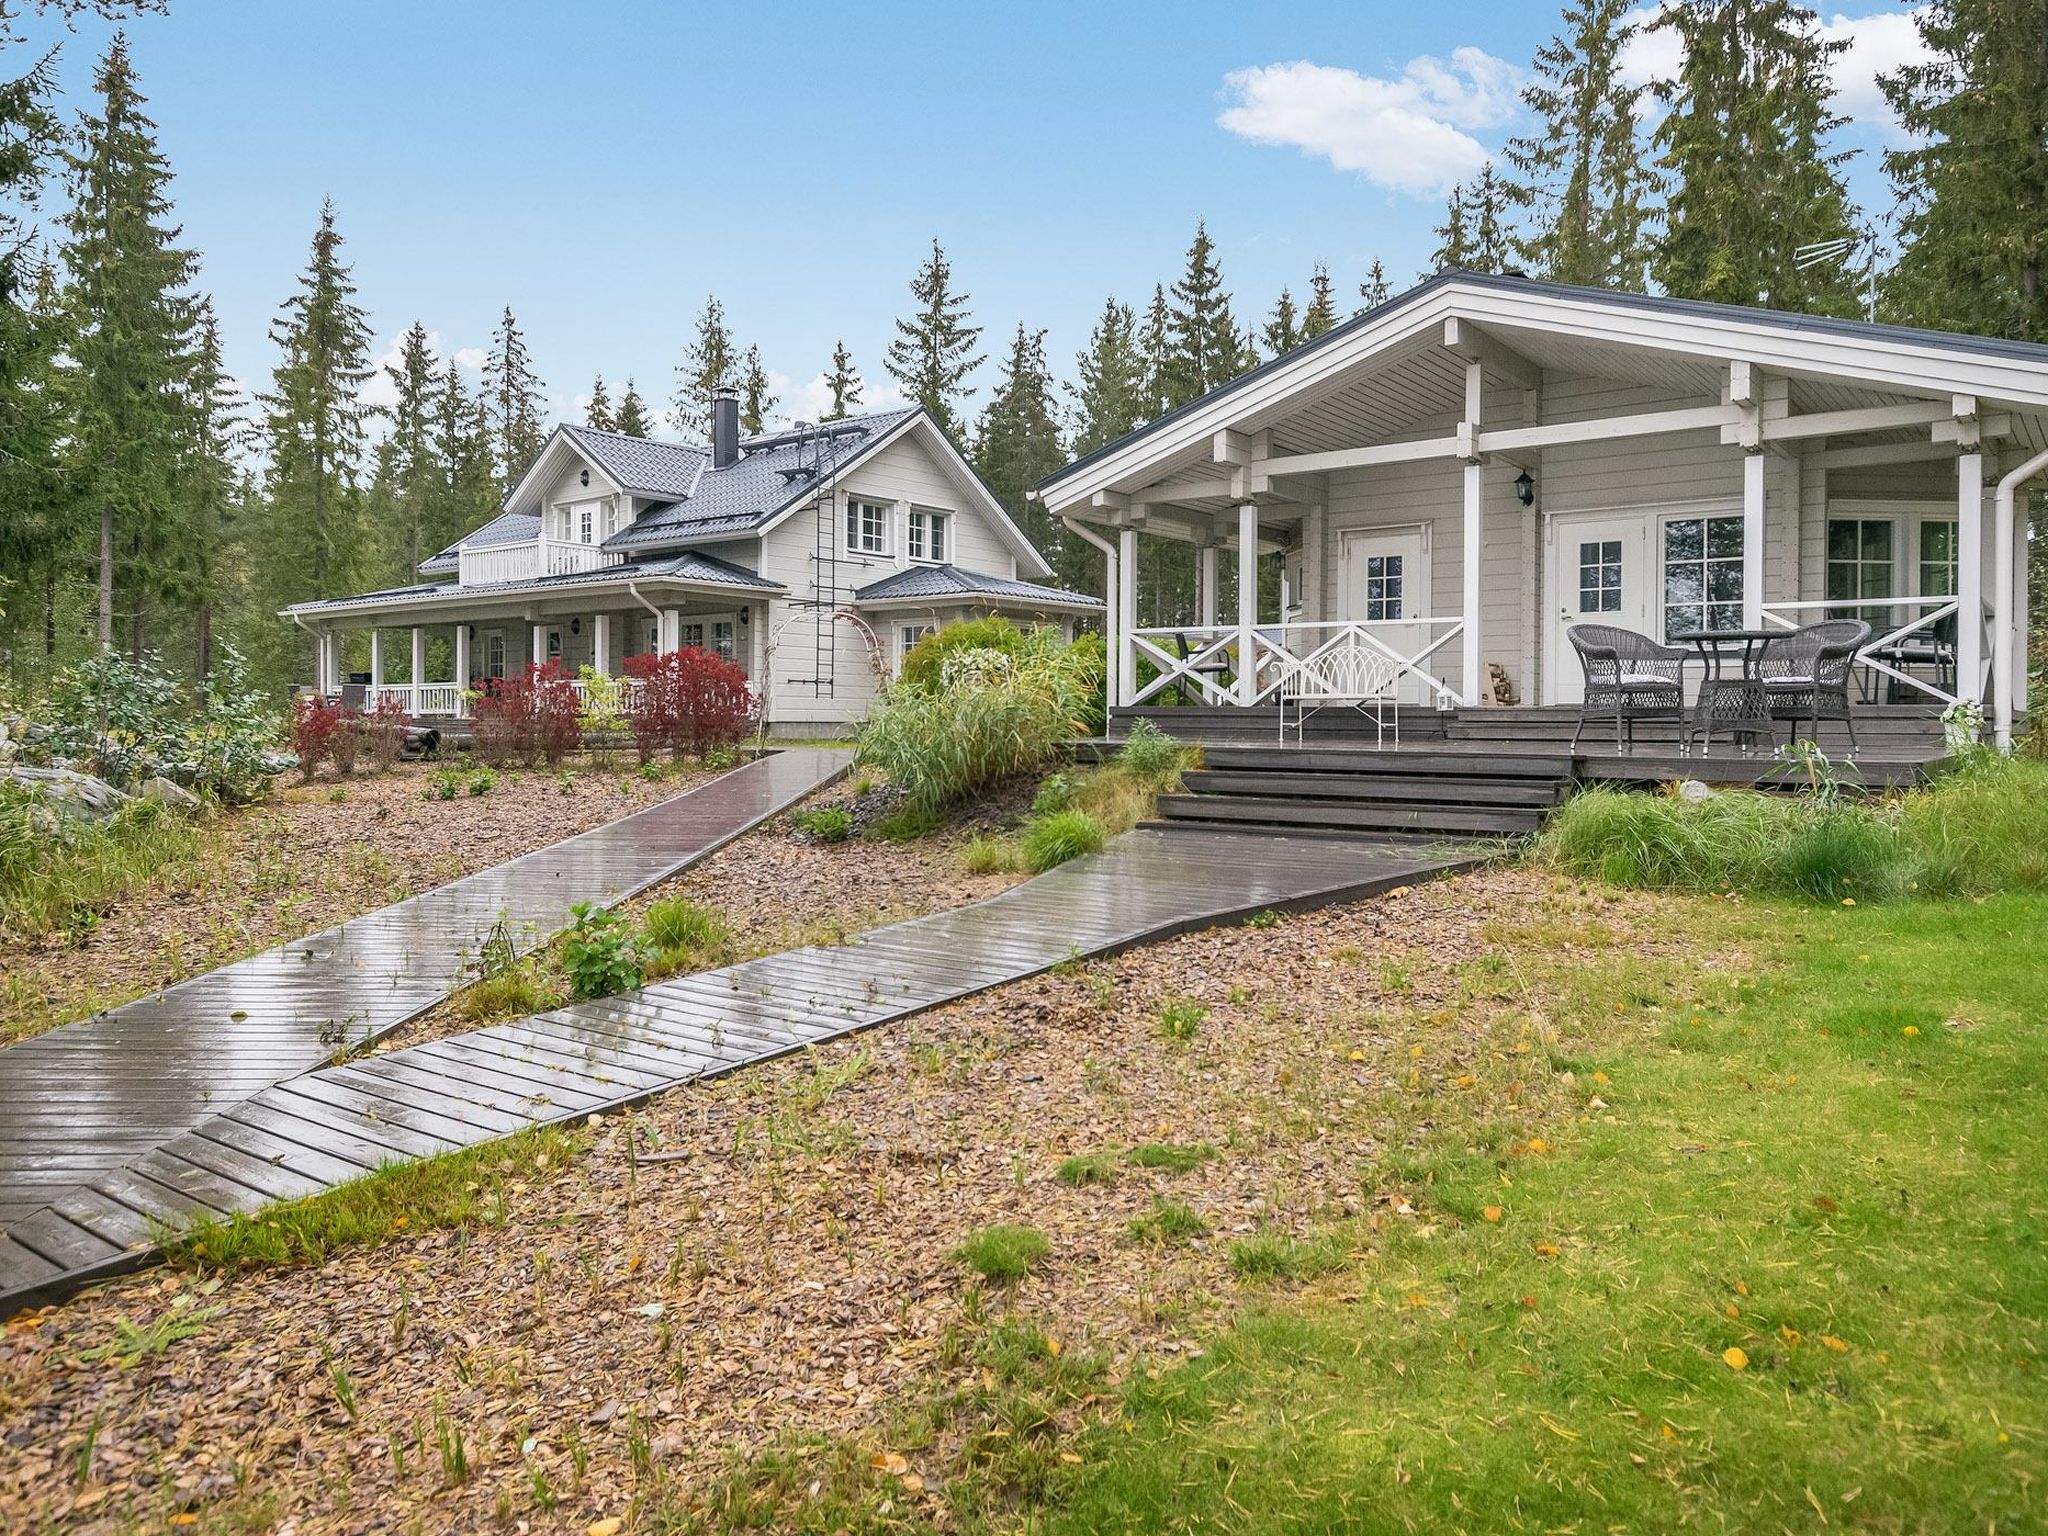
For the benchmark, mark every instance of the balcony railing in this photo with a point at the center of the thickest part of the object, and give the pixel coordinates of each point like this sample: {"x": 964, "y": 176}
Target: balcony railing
{"x": 1210, "y": 671}
{"x": 529, "y": 560}
{"x": 421, "y": 699}
{"x": 1907, "y": 634}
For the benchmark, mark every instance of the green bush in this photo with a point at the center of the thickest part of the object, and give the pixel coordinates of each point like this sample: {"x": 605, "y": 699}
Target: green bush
{"x": 675, "y": 925}
{"x": 925, "y": 662}
{"x": 1179, "y": 1018}
{"x": 61, "y": 872}
{"x": 599, "y": 954}
{"x": 1052, "y": 840}
{"x": 1169, "y": 1222}
{"x": 990, "y": 856}
{"x": 1087, "y": 1168}
{"x": 482, "y": 781}
{"x": 1170, "y": 1158}
{"x": 1150, "y": 752}
{"x": 1980, "y": 829}
{"x": 443, "y": 784}
{"x": 996, "y": 715}
{"x": 825, "y": 823}
{"x": 1002, "y": 1254}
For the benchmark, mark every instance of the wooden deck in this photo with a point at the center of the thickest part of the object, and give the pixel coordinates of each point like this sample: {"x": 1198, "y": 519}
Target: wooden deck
{"x": 327, "y": 1126}
{"x": 91, "y": 1097}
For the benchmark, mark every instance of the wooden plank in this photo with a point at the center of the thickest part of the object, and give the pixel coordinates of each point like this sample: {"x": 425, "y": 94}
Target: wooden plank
{"x": 63, "y": 1242}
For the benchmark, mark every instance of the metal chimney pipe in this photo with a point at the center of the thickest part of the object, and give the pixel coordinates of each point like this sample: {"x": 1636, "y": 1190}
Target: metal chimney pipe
{"x": 725, "y": 428}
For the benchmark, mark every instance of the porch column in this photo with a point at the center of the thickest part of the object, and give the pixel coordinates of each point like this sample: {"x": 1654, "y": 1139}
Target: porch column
{"x": 671, "y": 630}
{"x": 1471, "y": 679}
{"x": 376, "y": 659}
{"x": 461, "y": 659}
{"x": 1970, "y": 577}
{"x": 601, "y": 642}
{"x": 419, "y": 664}
{"x": 1247, "y": 600}
{"x": 1753, "y": 539}
{"x": 1205, "y": 586}
{"x": 540, "y": 645}
{"x": 1126, "y": 661}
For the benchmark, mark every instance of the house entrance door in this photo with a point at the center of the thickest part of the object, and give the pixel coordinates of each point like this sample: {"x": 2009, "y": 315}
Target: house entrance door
{"x": 1600, "y": 572}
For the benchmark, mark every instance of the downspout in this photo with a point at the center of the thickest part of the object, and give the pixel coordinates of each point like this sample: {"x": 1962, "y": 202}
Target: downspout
{"x": 1112, "y": 652}
{"x": 633, "y": 591}
{"x": 2005, "y": 538}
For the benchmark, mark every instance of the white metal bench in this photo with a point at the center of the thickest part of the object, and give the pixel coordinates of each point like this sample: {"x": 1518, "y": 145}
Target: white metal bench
{"x": 1347, "y": 674}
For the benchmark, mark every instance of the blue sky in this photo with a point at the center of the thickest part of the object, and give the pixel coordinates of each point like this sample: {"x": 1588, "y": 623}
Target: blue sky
{"x": 603, "y": 167}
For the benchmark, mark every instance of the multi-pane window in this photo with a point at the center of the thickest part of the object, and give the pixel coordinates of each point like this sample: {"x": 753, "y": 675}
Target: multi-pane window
{"x": 910, "y": 634}
{"x": 1702, "y": 575}
{"x": 929, "y": 535}
{"x": 1938, "y": 573}
{"x": 586, "y": 522}
{"x": 691, "y": 634}
{"x": 554, "y": 645}
{"x": 494, "y": 653}
{"x": 867, "y": 527}
{"x": 1385, "y": 586}
{"x": 716, "y": 635}
{"x": 1860, "y": 564}
{"x": 722, "y": 638}
{"x": 1600, "y": 576}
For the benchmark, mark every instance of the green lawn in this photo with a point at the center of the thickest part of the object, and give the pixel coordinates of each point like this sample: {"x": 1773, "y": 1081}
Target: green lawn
{"x": 1780, "y": 1266}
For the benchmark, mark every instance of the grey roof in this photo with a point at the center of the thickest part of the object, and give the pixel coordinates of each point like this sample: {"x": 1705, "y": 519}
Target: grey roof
{"x": 505, "y": 528}
{"x": 644, "y": 466}
{"x": 689, "y": 565}
{"x": 941, "y": 582}
{"x": 759, "y": 485}
{"x": 1824, "y": 325}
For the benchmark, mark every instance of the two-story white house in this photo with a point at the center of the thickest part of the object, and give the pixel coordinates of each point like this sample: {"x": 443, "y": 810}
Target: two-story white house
{"x": 813, "y": 558}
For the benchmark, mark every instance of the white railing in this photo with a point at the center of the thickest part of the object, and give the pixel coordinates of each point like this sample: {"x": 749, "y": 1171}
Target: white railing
{"x": 1210, "y": 669}
{"x": 1889, "y": 650}
{"x": 530, "y": 559}
{"x": 423, "y": 699}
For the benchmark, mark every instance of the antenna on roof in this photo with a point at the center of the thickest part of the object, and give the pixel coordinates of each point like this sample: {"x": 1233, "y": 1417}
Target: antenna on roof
{"x": 1842, "y": 248}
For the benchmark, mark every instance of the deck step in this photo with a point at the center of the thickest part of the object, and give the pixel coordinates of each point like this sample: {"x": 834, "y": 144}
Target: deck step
{"x": 1406, "y": 789}
{"x": 1279, "y": 811}
{"x": 1404, "y": 761}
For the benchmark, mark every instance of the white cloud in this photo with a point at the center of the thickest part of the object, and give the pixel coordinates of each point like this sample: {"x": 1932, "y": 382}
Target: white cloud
{"x": 1878, "y": 45}
{"x": 810, "y": 400}
{"x": 1412, "y": 135}
{"x": 467, "y": 357}
{"x": 378, "y": 389}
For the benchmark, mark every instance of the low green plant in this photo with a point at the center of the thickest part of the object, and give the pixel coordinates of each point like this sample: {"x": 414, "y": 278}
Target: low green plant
{"x": 676, "y": 926}
{"x": 1167, "y": 1224}
{"x": 990, "y": 856}
{"x": 60, "y": 872}
{"x": 338, "y": 795}
{"x": 1281, "y": 1256}
{"x": 1180, "y": 1018}
{"x": 720, "y": 759}
{"x": 908, "y": 824}
{"x": 1150, "y": 752}
{"x": 1003, "y": 1253}
{"x": 1049, "y": 841}
{"x": 599, "y": 953}
{"x": 651, "y": 772}
{"x": 1169, "y": 1158}
{"x": 825, "y": 823}
{"x": 1087, "y": 1168}
{"x": 517, "y": 993}
{"x": 442, "y": 784}
{"x": 1055, "y": 793}
{"x": 565, "y": 781}
{"x": 135, "y": 1342}
{"x": 482, "y": 781}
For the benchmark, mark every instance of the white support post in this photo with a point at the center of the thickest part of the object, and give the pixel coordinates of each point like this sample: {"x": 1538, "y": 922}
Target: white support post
{"x": 671, "y": 630}
{"x": 461, "y": 662}
{"x": 1970, "y": 577}
{"x": 601, "y": 643}
{"x": 323, "y": 662}
{"x": 540, "y": 645}
{"x": 1313, "y": 533}
{"x": 419, "y": 663}
{"x": 1469, "y": 652}
{"x": 1205, "y": 586}
{"x": 376, "y": 660}
{"x": 1753, "y": 540}
{"x": 1247, "y": 601}
{"x": 1126, "y": 614}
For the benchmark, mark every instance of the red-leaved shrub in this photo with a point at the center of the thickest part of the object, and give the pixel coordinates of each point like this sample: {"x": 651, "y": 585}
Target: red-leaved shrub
{"x": 526, "y": 717}
{"x": 346, "y": 741}
{"x": 688, "y": 701}
{"x": 314, "y": 723}
{"x": 384, "y": 734}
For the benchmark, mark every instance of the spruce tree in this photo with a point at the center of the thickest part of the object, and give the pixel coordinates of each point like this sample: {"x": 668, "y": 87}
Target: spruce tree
{"x": 598, "y": 414}
{"x": 710, "y": 364}
{"x": 844, "y": 384}
{"x": 1474, "y": 235}
{"x": 1321, "y": 313}
{"x": 1973, "y": 183}
{"x": 1155, "y": 344}
{"x": 1110, "y": 396}
{"x": 409, "y": 499}
{"x": 1019, "y": 444}
{"x": 633, "y": 420}
{"x": 933, "y": 352}
{"x": 1581, "y": 177}
{"x": 756, "y": 399}
{"x": 1376, "y": 289}
{"x": 1203, "y": 345}
{"x": 128, "y": 329}
{"x": 217, "y": 437}
{"x": 513, "y": 394}
{"x": 315, "y": 422}
{"x": 465, "y": 472}
{"x": 1283, "y": 331}
{"x": 1745, "y": 148}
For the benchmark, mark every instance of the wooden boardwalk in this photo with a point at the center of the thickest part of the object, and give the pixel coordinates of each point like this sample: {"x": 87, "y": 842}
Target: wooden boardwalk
{"x": 91, "y": 1097}
{"x": 337, "y": 1123}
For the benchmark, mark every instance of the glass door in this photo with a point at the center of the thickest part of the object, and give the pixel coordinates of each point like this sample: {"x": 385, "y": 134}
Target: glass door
{"x": 1599, "y": 574}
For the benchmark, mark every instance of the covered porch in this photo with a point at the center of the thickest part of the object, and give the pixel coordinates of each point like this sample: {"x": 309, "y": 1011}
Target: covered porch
{"x": 1453, "y": 481}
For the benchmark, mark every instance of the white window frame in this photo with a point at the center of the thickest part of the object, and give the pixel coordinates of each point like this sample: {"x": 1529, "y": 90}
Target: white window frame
{"x": 856, "y": 527}
{"x": 908, "y": 635}
{"x": 918, "y": 530}
{"x": 1659, "y": 534}
{"x": 494, "y": 653}
{"x": 707, "y": 626}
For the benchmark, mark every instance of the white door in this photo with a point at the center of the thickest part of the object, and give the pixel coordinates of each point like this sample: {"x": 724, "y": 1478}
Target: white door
{"x": 1600, "y": 573}
{"x": 1383, "y": 583}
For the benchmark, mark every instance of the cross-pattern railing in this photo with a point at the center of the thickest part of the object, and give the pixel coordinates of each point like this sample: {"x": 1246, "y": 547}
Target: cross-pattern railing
{"x": 1203, "y": 661}
{"x": 1889, "y": 652}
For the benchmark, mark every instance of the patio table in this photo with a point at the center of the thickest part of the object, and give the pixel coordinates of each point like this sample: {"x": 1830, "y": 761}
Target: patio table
{"x": 1737, "y": 702}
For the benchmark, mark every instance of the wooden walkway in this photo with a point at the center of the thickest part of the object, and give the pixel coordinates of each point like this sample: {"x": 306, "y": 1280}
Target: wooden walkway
{"x": 328, "y": 1126}
{"x": 91, "y": 1097}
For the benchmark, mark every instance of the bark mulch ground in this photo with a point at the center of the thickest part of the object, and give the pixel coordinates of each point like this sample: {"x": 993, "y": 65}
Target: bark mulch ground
{"x": 774, "y": 1254}
{"x": 302, "y": 861}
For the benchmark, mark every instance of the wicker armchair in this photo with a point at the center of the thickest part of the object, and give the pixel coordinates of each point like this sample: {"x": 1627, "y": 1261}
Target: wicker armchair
{"x": 1806, "y": 674}
{"x": 1629, "y": 677}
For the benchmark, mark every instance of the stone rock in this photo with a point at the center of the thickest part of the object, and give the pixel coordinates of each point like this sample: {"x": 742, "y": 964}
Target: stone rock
{"x": 68, "y": 791}
{"x": 1693, "y": 791}
{"x": 164, "y": 792}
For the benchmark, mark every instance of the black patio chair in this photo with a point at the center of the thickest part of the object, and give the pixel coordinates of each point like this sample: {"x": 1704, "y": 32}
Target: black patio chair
{"x": 1629, "y": 677}
{"x": 1216, "y": 668}
{"x": 1806, "y": 674}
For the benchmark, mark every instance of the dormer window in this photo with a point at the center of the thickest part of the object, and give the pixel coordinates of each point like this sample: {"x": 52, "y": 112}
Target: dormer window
{"x": 930, "y": 535}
